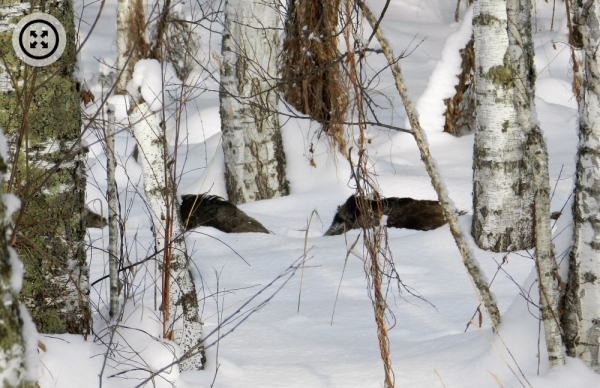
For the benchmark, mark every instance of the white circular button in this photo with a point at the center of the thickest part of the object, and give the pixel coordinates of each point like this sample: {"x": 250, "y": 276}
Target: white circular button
{"x": 39, "y": 39}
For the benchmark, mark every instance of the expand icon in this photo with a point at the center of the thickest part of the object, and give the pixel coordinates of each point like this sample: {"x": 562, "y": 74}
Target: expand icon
{"x": 39, "y": 39}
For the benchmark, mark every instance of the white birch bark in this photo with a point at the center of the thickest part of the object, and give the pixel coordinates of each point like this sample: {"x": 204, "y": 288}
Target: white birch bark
{"x": 521, "y": 54}
{"x": 113, "y": 230}
{"x": 183, "y": 323}
{"x": 252, "y": 144}
{"x": 474, "y": 272}
{"x": 502, "y": 193}
{"x": 582, "y": 301}
{"x": 123, "y": 68}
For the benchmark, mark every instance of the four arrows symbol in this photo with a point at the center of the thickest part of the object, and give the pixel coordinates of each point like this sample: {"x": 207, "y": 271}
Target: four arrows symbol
{"x": 33, "y": 34}
{"x": 39, "y": 39}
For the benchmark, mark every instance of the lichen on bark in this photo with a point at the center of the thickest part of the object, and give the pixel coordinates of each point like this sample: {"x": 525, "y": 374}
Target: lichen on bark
{"x": 48, "y": 174}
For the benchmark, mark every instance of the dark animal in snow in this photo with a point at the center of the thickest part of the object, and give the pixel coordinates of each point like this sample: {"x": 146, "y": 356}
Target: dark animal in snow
{"x": 93, "y": 220}
{"x": 211, "y": 210}
{"x": 405, "y": 213}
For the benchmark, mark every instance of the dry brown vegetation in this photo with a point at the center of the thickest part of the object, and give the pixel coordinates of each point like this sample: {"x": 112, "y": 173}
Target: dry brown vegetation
{"x": 313, "y": 82}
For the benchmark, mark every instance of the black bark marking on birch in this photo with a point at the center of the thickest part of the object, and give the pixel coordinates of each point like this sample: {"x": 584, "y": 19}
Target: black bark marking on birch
{"x": 240, "y": 73}
{"x": 262, "y": 179}
{"x": 592, "y": 342}
{"x": 260, "y": 107}
{"x": 570, "y": 304}
{"x": 485, "y": 19}
{"x": 279, "y": 157}
{"x": 236, "y": 194}
{"x": 589, "y": 277}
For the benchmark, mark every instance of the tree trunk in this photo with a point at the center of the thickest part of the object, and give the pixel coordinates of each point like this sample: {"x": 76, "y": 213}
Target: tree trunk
{"x": 12, "y": 314}
{"x": 41, "y": 117}
{"x": 113, "y": 214}
{"x": 252, "y": 144}
{"x": 502, "y": 191}
{"x": 180, "y": 302}
{"x": 581, "y": 320}
{"x": 521, "y": 55}
{"x": 131, "y": 42}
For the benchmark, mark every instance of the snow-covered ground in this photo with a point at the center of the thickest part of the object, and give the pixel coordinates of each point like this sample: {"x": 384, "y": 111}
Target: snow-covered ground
{"x": 300, "y": 337}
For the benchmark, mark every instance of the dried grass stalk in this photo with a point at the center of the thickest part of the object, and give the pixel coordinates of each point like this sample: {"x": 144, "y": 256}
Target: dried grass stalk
{"x": 312, "y": 80}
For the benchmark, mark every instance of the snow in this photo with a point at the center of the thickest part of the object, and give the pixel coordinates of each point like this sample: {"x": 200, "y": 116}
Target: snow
{"x": 31, "y": 337}
{"x": 11, "y": 204}
{"x": 17, "y": 270}
{"x": 10, "y": 368}
{"x": 287, "y": 337}
{"x": 153, "y": 82}
{"x": 3, "y": 146}
{"x": 444, "y": 77}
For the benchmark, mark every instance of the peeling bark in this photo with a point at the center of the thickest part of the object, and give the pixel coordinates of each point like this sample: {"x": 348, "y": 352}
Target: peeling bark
{"x": 252, "y": 143}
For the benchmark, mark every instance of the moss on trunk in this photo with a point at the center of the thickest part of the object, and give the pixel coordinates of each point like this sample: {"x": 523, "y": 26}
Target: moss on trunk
{"x": 42, "y": 120}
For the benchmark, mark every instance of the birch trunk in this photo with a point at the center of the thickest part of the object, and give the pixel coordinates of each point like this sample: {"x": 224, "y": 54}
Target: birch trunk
{"x": 131, "y": 42}
{"x": 113, "y": 230}
{"x": 180, "y": 302}
{"x": 252, "y": 144}
{"x": 12, "y": 315}
{"x": 123, "y": 68}
{"x": 43, "y": 129}
{"x": 521, "y": 54}
{"x": 581, "y": 320}
{"x": 475, "y": 274}
{"x": 502, "y": 191}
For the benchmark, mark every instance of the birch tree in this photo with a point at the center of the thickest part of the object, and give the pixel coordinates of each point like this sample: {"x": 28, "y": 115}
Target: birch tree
{"x": 179, "y": 299}
{"x": 131, "y": 42}
{"x": 502, "y": 191}
{"x": 39, "y": 112}
{"x": 111, "y": 199}
{"x": 521, "y": 61}
{"x": 581, "y": 320}
{"x": 12, "y": 314}
{"x": 252, "y": 143}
